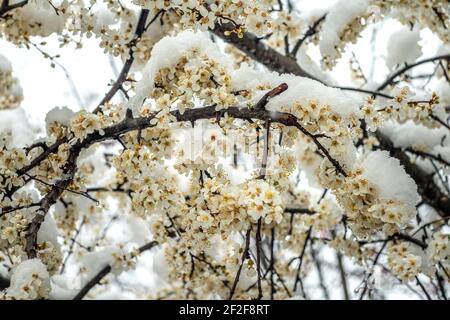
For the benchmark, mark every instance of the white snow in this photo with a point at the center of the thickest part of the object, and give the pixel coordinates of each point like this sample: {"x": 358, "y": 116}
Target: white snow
{"x": 5, "y": 65}
{"x": 24, "y": 275}
{"x": 93, "y": 262}
{"x": 299, "y": 89}
{"x": 61, "y": 115}
{"x": 42, "y": 14}
{"x": 403, "y": 47}
{"x": 48, "y": 232}
{"x": 409, "y": 134}
{"x": 15, "y": 123}
{"x": 339, "y": 16}
{"x": 390, "y": 178}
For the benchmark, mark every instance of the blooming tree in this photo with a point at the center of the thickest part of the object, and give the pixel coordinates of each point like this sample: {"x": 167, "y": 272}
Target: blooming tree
{"x": 231, "y": 154}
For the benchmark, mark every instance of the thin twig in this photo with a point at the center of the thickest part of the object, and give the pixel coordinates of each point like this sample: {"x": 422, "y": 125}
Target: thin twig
{"x": 244, "y": 256}
{"x": 408, "y": 67}
{"x": 104, "y": 272}
{"x": 300, "y": 258}
{"x": 258, "y": 258}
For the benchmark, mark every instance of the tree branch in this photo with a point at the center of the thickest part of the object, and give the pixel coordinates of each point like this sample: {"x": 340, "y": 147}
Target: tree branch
{"x": 104, "y": 272}
{"x": 6, "y": 7}
{"x": 4, "y": 283}
{"x": 311, "y": 31}
{"x": 140, "y": 28}
{"x": 256, "y": 49}
{"x": 244, "y": 256}
{"x": 399, "y": 72}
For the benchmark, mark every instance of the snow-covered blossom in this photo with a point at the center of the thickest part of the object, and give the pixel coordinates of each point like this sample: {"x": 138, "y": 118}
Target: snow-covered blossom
{"x": 226, "y": 142}
{"x": 378, "y": 201}
{"x": 29, "y": 280}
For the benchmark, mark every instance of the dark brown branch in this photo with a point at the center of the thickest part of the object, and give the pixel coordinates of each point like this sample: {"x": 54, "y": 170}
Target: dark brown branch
{"x": 423, "y": 288}
{"x": 440, "y": 281}
{"x": 258, "y": 258}
{"x": 311, "y": 31}
{"x": 6, "y": 7}
{"x": 318, "y": 265}
{"x": 140, "y": 28}
{"x": 342, "y": 274}
{"x": 4, "y": 283}
{"x": 322, "y": 149}
{"x": 366, "y": 284}
{"x": 399, "y": 72}
{"x": 300, "y": 258}
{"x": 84, "y": 194}
{"x": 373, "y": 93}
{"x": 422, "y": 154}
{"x": 397, "y": 236}
{"x": 269, "y": 95}
{"x": 440, "y": 121}
{"x": 36, "y": 161}
{"x": 256, "y": 49}
{"x": 104, "y": 272}
{"x": 244, "y": 257}
{"x": 263, "y": 170}
{"x": 272, "y": 263}
{"x": 299, "y": 211}
{"x": 5, "y": 211}
{"x": 442, "y": 220}
{"x": 74, "y": 240}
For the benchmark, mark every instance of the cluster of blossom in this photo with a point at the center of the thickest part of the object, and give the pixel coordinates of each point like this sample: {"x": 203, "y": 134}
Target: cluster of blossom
{"x": 10, "y": 90}
{"x": 85, "y": 123}
{"x": 438, "y": 250}
{"x": 119, "y": 38}
{"x": 151, "y": 190}
{"x": 403, "y": 260}
{"x": 196, "y": 14}
{"x": 327, "y": 215}
{"x": 51, "y": 168}
{"x": 50, "y": 256}
{"x": 402, "y": 108}
{"x": 12, "y": 230}
{"x": 11, "y": 159}
{"x": 123, "y": 260}
{"x": 285, "y": 24}
{"x": 262, "y": 201}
